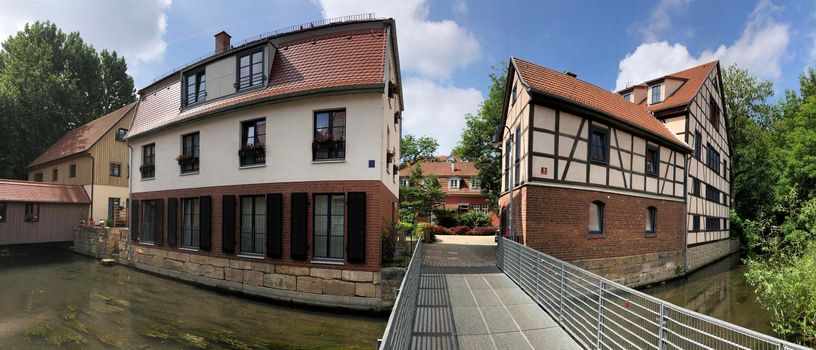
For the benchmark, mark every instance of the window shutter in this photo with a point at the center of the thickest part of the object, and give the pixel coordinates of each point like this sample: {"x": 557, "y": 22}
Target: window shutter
{"x": 158, "y": 228}
{"x": 134, "y": 220}
{"x": 172, "y": 221}
{"x": 228, "y": 224}
{"x": 274, "y": 225}
{"x": 356, "y": 227}
{"x": 300, "y": 207}
{"x": 205, "y": 224}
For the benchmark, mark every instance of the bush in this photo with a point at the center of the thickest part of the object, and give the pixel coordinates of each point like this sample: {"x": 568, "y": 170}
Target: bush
{"x": 445, "y": 218}
{"x": 483, "y": 231}
{"x": 419, "y": 230}
{"x": 405, "y": 227}
{"x": 389, "y": 241}
{"x": 439, "y": 230}
{"x": 474, "y": 219}
{"x": 460, "y": 230}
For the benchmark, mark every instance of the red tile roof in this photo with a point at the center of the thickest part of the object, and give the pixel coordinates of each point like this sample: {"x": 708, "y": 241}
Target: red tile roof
{"x": 38, "y": 192}
{"x": 549, "y": 82}
{"x": 347, "y": 59}
{"x": 694, "y": 78}
{"x": 443, "y": 169}
{"x": 82, "y": 138}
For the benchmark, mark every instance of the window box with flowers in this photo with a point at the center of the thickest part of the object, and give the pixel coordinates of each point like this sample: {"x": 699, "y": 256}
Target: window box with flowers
{"x": 252, "y": 154}
{"x": 327, "y": 147}
{"x": 188, "y": 163}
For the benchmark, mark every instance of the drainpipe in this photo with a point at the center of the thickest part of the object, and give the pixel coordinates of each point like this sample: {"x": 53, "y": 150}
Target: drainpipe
{"x": 93, "y": 181}
{"x": 129, "y": 202}
{"x": 685, "y": 217}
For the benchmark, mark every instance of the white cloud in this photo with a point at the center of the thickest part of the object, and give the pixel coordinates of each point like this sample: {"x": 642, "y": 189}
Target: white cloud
{"x": 759, "y": 49}
{"x": 661, "y": 19}
{"x": 133, "y": 28}
{"x": 432, "y": 49}
{"x": 437, "y": 110}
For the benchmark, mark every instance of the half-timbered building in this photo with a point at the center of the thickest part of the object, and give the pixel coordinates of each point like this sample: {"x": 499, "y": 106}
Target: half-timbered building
{"x": 601, "y": 178}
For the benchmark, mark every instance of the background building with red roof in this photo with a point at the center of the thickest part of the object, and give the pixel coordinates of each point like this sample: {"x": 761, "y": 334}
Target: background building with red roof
{"x": 33, "y": 212}
{"x": 613, "y": 181}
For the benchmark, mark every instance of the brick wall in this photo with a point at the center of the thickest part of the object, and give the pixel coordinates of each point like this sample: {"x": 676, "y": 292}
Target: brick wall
{"x": 379, "y": 207}
{"x": 98, "y": 242}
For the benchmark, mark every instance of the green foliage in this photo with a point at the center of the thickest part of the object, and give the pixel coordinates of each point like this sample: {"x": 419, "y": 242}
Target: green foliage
{"x": 50, "y": 83}
{"x": 421, "y": 196}
{"x": 474, "y": 144}
{"x": 414, "y": 149}
{"x": 445, "y": 218}
{"x": 474, "y": 219}
{"x": 389, "y": 241}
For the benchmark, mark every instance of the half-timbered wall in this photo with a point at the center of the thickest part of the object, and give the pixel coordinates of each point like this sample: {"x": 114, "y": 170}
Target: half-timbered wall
{"x": 518, "y": 120}
{"x": 700, "y": 208}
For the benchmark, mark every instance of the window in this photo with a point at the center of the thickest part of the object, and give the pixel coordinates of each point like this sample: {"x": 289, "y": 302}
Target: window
{"x": 475, "y": 184}
{"x": 404, "y": 181}
{"x": 627, "y": 97}
{"x": 250, "y": 70}
{"x": 695, "y": 224}
{"x": 148, "y": 168}
{"x": 453, "y": 183}
{"x": 712, "y": 194}
{"x": 32, "y": 212}
{"x": 54, "y": 174}
{"x": 253, "y": 224}
{"x": 725, "y": 170}
{"x": 698, "y": 145}
{"x": 72, "y": 170}
{"x": 463, "y": 208}
{"x": 507, "y": 163}
{"x": 329, "y": 215}
{"x": 655, "y": 94}
{"x": 2, "y": 212}
{"x": 253, "y": 142}
{"x": 652, "y": 161}
{"x": 598, "y": 145}
{"x": 695, "y": 187}
{"x": 188, "y": 160}
{"x": 190, "y": 212}
{"x": 513, "y": 95}
{"x": 120, "y": 134}
{"x": 196, "y": 87}
{"x": 517, "y": 170}
{"x": 115, "y": 170}
{"x": 596, "y": 217}
{"x": 150, "y": 222}
{"x": 712, "y": 224}
{"x": 329, "y": 135}
{"x": 713, "y": 160}
{"x": 714, "y": 109}
{"x": 38, "y": 177}
{"x": 651, "y": 213}
{"x": 113, "y": 208}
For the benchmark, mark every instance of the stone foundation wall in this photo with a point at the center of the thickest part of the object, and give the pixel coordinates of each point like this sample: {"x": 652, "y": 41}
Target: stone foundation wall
{"x": 637, "y": 270}
{"x": 330, "y": 287}
{"x": 701, "y": 255}
{"x": 98, "y": 242}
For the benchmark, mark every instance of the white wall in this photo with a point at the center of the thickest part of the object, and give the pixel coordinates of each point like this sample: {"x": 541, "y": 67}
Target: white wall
{"x": 288, "y": 147}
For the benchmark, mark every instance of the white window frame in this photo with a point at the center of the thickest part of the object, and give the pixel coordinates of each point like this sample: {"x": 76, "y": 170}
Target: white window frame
{"x": 475, "y": 185}
{"x": 458, "y": 182}
{"x": 404, "y": 181}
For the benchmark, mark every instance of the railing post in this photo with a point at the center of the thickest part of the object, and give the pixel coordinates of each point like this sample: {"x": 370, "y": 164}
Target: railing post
{"x": 600, "y": 312}
{"x": 662, "y": 325}
{"x": 561, "y": 295}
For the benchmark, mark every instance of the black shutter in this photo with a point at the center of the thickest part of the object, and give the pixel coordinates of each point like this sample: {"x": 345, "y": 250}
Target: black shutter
{"x": 134, "y": 220}
{"x": 158, "y": 228}
{"x": 228, "y": 224}
{"x": 356, "y": 227}
{"x": 205, "y": 224}
{"x": 274, "y": 225}
{"x": 300, "y": 212}
{"x": 172, "y": 221}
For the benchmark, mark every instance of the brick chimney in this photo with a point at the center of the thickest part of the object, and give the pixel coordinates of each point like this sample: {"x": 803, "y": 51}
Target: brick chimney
{"x": 222, "y": 42}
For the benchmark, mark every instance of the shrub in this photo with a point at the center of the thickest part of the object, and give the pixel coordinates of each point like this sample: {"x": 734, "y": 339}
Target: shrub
{"x": 445, "y": 218}
{"x": 439, "y": 230}
{"x": 474, "y": 219}
{"x": 460, "y": 230}
{"x": 419, "y": 229}
{"x": 483, "y": 231}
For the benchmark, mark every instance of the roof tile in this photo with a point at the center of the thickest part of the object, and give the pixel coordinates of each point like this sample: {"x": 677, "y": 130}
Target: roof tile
{"x": 38, "y": 192}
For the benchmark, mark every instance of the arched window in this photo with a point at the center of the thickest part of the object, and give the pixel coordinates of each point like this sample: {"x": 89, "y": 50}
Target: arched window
{"x": 651, "y": 215}
{"x": 596, "y": 217}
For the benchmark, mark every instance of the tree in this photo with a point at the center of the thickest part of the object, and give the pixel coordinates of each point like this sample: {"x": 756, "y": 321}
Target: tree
{"x": 414, "y": 149}
{"x": 50, "y": 83}
{"x": 422, "y": 195}
{"x": 475, "y": 142}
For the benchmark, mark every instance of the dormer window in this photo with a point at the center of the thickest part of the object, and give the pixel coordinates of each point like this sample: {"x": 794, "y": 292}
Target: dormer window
{"x": 195, "y": 83}
{"x": 250, "y": 70}
{"x": 453, "y": 183}
{"x": 656, "y": 96}
{"x": 628, "y": 97}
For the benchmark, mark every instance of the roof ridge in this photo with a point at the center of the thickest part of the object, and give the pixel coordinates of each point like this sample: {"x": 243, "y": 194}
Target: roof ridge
{"x": 36, "y": 183}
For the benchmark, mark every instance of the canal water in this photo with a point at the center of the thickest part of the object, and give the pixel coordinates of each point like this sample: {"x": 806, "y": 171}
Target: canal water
{"x": 53, "y": 298}
{"x": 718, "y": 290}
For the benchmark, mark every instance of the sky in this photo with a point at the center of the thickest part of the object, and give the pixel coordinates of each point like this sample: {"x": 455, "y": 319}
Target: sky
{"x": 448, "y": 47}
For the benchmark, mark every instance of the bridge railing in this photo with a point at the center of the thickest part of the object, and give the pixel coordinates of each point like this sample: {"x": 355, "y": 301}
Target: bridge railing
{"x": 602, "y": 314}
{"x": 400, "y": 325}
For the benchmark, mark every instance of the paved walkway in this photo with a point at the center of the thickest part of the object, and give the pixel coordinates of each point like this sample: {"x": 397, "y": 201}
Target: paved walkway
{"x": 465, "y": 302}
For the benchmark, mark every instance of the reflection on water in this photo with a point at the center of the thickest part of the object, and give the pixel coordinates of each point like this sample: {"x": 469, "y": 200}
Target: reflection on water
{"x": 51, "y": 298}
{"x": 718, "y": 290}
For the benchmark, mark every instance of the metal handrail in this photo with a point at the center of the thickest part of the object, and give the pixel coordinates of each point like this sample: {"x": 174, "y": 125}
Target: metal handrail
{"x": 398, "y": 331}
{"x": 603, "y": 314}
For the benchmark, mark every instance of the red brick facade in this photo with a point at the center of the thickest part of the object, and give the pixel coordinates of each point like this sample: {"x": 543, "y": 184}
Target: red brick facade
{"x": 380, "y": 208}
{"x": 556, "y": 220}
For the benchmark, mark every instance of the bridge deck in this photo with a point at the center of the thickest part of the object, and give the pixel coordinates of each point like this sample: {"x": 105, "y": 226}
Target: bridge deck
{"x": 465, "y": 302}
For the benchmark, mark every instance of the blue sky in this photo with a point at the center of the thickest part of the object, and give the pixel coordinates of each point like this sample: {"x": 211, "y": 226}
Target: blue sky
{"x": 448, "y": 47}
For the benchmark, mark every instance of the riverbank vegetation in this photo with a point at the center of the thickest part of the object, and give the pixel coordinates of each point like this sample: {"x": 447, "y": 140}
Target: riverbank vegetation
{"x": 774, "y": 194}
